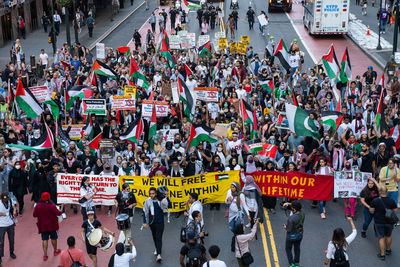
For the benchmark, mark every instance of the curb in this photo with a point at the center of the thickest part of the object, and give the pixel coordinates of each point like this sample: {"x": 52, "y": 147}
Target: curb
{"x": 113, "y": 28}
{"x": 367, "y": 53}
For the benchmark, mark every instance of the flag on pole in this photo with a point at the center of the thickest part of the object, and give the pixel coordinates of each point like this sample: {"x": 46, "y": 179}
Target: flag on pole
{"x": 345, "y": 70}
{"x": 126, "y": 50}
{"x": 62, "y": 136}
{"x": 44, "y": 142}
{"x": 136, "y": 73}
{"x": 102, "y": 69}
{"x": 282, "y": 54}
{"x": 53, "y": 106}
{"x": 95, "y": 143}
{"x": 27, "y": 101}
{"x": 379, "y": 112}
{"x": 249, "y": 116}
{"x": 382, "y": 81}
{"x": 216, "y": 68}
{"x": 331, "y": 63}
{"x": 93, "y": 81}
{"x": 332, "y": 118}
{"x": 163, "y": 36}
{"x": 134, "y": 131}
{"x": 192, "y": 3}
{"x": 164, "y": 50}
{"x": 153, "y": 126}
{"x": 199, "y": 134}
{"x": 394, "y": 133}
{"x": 81, "y": 91}
{"x": 205, "y": 50}
{"x": 187, "y": 98}
{"x": 300, "y": 123}
{"x": 188, "y": 70}
{"x": 268, "y": 85}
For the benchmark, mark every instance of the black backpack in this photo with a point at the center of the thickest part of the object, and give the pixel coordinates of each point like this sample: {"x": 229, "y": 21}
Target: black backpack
{"x": 74, "y": 263}
{"x": 194, "y": 255}
{"x": 339, "y": 259}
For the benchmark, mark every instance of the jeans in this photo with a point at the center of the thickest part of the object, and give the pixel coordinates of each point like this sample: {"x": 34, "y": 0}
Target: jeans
{"x": 367, "y": 218}
{"x": 251, "y": 23}
{"x": 233, "y": 223}
{"x": 394, "y": 195}
{"x": 288, "y": 248}
{"x": 90, "y": 29}
{"x": 157, "y": 230}
{"x": 11, "y": 233}
{"x": 383, "y": 25}
{"x": 322, "y": 205}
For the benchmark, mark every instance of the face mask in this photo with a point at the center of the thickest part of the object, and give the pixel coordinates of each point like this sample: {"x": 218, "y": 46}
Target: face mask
{"x": 32, "y": 156}
{"x": 138, "y": 110}
{"x": 232, "y": 110}
{"x": 108, "y": 168}
{"x": 219, "y": 149}
{"x": 176, "y": 145}
{"x": 225, "y": 106}
{"x": 286, "y": 157}
{"x": 192, "y": 159}
{"x": 179, "y": 158}
{"x": 269, "y": 106}
{"x": 347, "y": 166}
{"x": 250, "y": 161}
{"x": 147, "y": 163}
{"x": 162, "y": 154}
{"x": 18, "y": 167}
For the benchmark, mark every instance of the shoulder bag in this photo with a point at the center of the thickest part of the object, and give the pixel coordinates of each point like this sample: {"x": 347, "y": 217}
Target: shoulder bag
{"x": 390, "y": 215}
{"x": 246, "y": 258}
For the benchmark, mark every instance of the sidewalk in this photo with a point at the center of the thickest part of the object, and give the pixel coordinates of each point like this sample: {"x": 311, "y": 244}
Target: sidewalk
{"x": 37, "y": 40}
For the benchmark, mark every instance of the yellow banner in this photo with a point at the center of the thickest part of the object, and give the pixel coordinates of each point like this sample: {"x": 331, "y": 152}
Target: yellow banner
{"x": 233, "y": 47}
{"x": 245, "y": 39}
{"x": 130, "y": 90}
{"x": 222, "y": 43}
{"x": 241, "y": 48}
{"x": 211, "y": 187}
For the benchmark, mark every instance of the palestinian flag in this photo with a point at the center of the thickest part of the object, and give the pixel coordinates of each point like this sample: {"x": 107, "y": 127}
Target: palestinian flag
{"x": 95, "y": 143}
{"x": 188, "y": 70}
{"x": 11, "y": 93}
{"x": 294, "y": 99}
{"x": 379, "y": 112}
{"x": 253, "y": 148}
{"x": 280, "y": 120}
{"x": 345, "y": 67}
{"x": 205, "y": 50}
{"x": 382, "y": 81}
{"x": 188, "y": 99}
{"x": 93, "y": 80}
{"x": 53, "y": 106}
{"x": 126, "y": 50}
{"x": 102, "y": 69}
{"x": 219, "y": 177}
{"x": 336, "y": 94}
{"x": 192, "y": 3}
{"x": 282, "y": 54}
{"x": 163, "y": 35}
{"x": 45, "y": 141}
{"x": 76, "y": 91}
{"x": 268, "y": 85}
{"x": 268, "y": 150}
{"x": 330, "y": 63}
{"x": 27, "y": 102}
{"x": 394, "y": 133}
{"x": 62, "y": 136}
{"x": 216, "y": 68}
{"x": 136, "y": 73}
{"x": 300, "y": 123}
{"x": 153, "y": 126}
{"x": 89, "y": 130}
{"x": 164, "y": 50}
{"x": 332, "y": 118}
{"x": 199, "y": 134}
{"x": 134, "y": 131}
{"x": 248, "y": 115}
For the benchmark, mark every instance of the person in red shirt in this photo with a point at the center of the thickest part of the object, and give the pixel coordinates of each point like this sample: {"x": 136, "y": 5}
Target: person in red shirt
{"x": 71, "y": 254}
{"x": 46, "y": 212}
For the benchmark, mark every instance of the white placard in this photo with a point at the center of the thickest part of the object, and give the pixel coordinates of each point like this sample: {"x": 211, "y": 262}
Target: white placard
{"x": 174, "y": 42}
{"x": 350, "y": 183}
{"x": 175, "y": 92}
{"x": 40, "y": 93}
{"x": 100, "y": 51}
{"x": 263, "y": 21}
{"x": 220, "y": 35}
{"x": 203, "y": 39}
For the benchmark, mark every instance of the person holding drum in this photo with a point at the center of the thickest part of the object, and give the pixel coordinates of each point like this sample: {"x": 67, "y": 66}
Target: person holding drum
{"x": 125, "y": 201}
{"x": 88, "y": 229}
{"x": 87, "y": 193}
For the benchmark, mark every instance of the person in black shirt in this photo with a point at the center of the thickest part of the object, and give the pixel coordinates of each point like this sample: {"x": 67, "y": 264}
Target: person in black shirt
{"x": 125, "y": 200}
{"x": 213, "y": 15}
{"x": 370, "y": 76}
{"x": 388, "y": 141}
{"x": 71, "y": 165}
{"x": 172, "y": 15}
{"x": 250, "y": 17}
{"x": 200, "y": 16}
{"x": 191, "y": 246}
{"x": 367, "y": 159}
{"x": 235, "y": 16}
{"x": 383, "y": 230}
{"x": 369, "y": 193}
{"x": 87, "y": 159}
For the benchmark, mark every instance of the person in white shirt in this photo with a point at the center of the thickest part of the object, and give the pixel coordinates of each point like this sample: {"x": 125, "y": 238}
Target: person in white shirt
{"x": 235, "y": 144}
{"x": 191, "y": 83}
{"x": 241, "y": 93}
{"x": 339, "y": 241}
{"x": 214, "y": 261}
{"x": 57, "y": 21}
{"x": 122, "y": 259}
{"x": 213, "y": 109}
{"x": 7, "y": 223}
{"x": 44, "y": 59}
{"x": 195, "y": 204}
{"x": 87, "y": 191}
{"x": 294, "y": 60}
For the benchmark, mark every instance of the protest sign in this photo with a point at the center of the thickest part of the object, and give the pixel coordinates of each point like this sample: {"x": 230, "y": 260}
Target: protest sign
{"x": 233, "y": 47}
{"x": 68, "y": 187}
{"x": 75, "y": 131}
{"x": 100, "y": 51}
{"x": 174, "y": 42}
{"x": 350, "y": 183}
{"x": 263, "y": 21}
{"x": 222, "y": 43}
{"x": 161, "y": 108}
{"x": 241, "y": 48}
{"x": 245, "y": 39}
{"x": 106, "y": 147}
{"x": 208, "y": 94}
{"x": 211, "y": 187}
{"x": 123, "y": 102}
{"x": 220, "y": 130}
{"x": 188, "y": 40}
{"x": 181, "y": 33}
{"x": 219, "y": 35}
{"x": 168, "y": 134}
{"x": 175, "y": 92}
{"x": 94, "y": 106}
{"x": 203, "y": 39}
{"x": 294, "y": 185}
{"x": 130, "y": 90}
{"x": 39, "y": 92}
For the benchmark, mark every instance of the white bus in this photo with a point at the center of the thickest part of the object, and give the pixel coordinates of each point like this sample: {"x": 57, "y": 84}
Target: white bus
{"x": 326, "y": 16}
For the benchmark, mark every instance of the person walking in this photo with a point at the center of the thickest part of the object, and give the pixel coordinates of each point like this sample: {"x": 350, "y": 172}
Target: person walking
{"x": 250, "y": 15}
{"x": 336, "y": 252}
{"x": 240, "y": 242}
{"x": 214, "y": 261}
{"x": 87, "y": 192}
{"x": 21, "y": 26}
{"x": 294, "y": 235}
{"x": 18, "y": 183}
{"x": 388, "y": 177}
{"x": 71, "y": 254}
{"x": 57, "y": 21}
{"x": 383, "y": 16}
{"x": 194, "y": 252}
{"x": 90, "y": 24}
{"x": 153, "y": 216}
{"x": 237, "y": 206}
{"x": 46, "y": 213}
{"x": 153, "y": 21}
{"x": 120, "y": 258}
{"x": 367, "y": 195}
{"x": 7, "y": 214}
{"x": 45, "y": 21}
{"x": 195, "y": 204}
{"x": 383, "y": 229}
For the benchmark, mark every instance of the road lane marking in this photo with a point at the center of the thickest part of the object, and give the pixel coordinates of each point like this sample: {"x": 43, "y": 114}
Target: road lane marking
{"x": 265, "y": 246}
{"x": 271, "y": 237}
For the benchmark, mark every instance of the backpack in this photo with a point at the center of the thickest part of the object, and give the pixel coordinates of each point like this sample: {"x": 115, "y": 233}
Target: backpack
{"x": 339, "y": 259}
{"x": 194, "y": 255}
{"x": 74, "y": 263}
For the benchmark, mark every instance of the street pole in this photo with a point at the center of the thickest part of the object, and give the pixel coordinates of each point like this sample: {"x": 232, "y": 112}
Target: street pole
{"x": 396, "y": 27}
{"x": 379, "y": 47}
{"x": 67, "y": 25}
{"x": 75, "y": 25}
{"x": 53, "y": 29}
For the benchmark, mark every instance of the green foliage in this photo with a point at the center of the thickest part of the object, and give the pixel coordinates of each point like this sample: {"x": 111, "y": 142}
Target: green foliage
{"x": 65, "y": 3}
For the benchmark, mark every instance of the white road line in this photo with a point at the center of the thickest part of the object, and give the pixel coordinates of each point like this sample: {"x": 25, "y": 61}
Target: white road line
{"x": 302, "y": 40}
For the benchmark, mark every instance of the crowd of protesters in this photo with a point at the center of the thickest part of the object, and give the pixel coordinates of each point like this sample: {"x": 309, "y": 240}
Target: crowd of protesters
{"x": 356, "y": 144}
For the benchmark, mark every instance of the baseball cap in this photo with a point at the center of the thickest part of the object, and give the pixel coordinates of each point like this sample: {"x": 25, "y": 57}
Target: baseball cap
{"x": 90, "y": 212}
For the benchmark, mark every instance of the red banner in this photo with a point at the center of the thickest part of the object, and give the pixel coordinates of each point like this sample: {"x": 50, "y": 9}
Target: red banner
{"x": 295, "y": 185}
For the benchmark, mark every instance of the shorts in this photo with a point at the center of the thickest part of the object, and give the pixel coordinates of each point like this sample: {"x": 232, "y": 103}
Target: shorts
{"x": 53, "y": 235}
{"x": 90, "y": 249}
{"x": 383, "y": 230}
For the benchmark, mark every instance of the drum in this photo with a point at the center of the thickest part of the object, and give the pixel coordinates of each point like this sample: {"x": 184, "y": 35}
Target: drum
{"x": 123, "y": 222}
{"x": 98, "y": 238}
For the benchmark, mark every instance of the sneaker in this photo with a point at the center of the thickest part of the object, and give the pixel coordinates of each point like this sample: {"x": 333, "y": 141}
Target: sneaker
{"x": 56, "y": 252}
{"x": 159, "y": 259}
{"x": 45, "y": 258}
{"x": 155, "y": 252}
{"x": 64, "y": 216}
{"x": 323, "y": 216}
{"x": 382, "y": 258}
{"x": 363, "y": 234}
{"x": 388, "y": 252}
{"x": 13, "y": 256}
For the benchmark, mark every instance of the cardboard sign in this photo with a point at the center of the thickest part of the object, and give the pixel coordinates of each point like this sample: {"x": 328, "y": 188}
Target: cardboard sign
{"x": 188, "y": 40}
{"x": 219, "y": 35}
{"x": 94, "y": 106}
{"x": 203, "y": 39}
{"x": 241, "y": 48}
{"x": 175, "y": 92}
{"x": 39, "y": 92}
{"x": 68, "y": 188}
{"x": 124, "y": 102}
{"x": 174, "y": 42}
{"x": 208, "y": 94}
{"x": 263, "y": 21}
{"x": 161, "y": 108}
{"x": 233, "y": 47}
{"x": 168, "y": 134}
{"x": 130, "y": 90}
{"x": 106, "y": 147}
{"x": 100, "y": 51}
{"x": 350, "y": 183}
{"x": 223, "y": 43}
{"x": 245, "y": 39}
{"x": 75, "y": 131}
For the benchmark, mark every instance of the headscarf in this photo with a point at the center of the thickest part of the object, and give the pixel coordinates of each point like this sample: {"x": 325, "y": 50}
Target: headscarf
{"x": 251, "y": 167}
{"x": 237, "y": 193}
{"x": 251, "y": 183}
